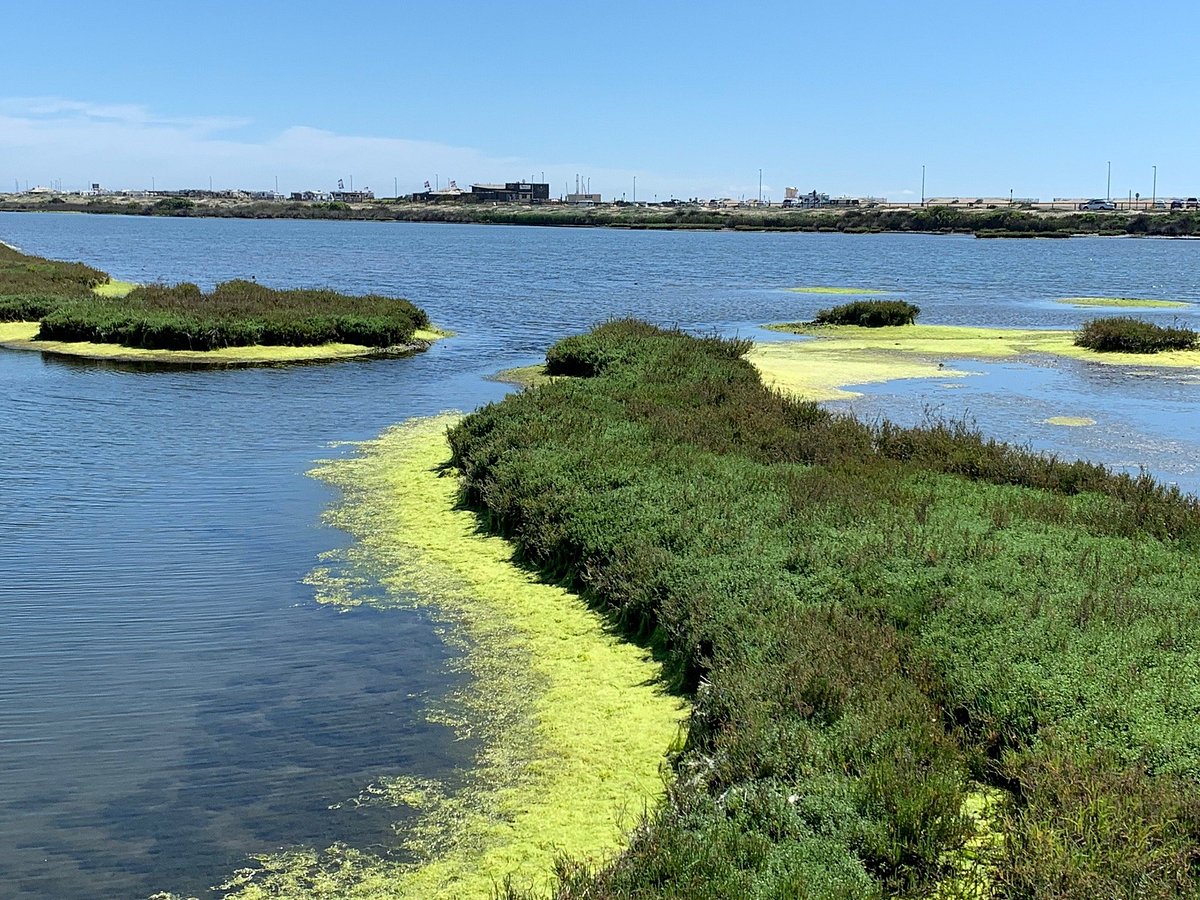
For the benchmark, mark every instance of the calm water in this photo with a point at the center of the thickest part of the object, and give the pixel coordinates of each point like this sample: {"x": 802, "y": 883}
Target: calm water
{"x": 172, "y": 699}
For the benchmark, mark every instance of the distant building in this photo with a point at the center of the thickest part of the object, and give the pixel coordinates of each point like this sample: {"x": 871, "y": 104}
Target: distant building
{"x": 511, "y": 192}
{"x": 352, "y": 196}
{"x": 308, "y": 196}
{"x": 583, "y": 199}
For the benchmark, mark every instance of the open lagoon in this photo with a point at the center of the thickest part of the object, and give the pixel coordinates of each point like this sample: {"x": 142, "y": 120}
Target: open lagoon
{"x": 172, "y": 698}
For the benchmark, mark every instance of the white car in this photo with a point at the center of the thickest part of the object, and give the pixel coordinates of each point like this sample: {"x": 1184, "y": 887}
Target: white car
{"x": 1097, "y": 204}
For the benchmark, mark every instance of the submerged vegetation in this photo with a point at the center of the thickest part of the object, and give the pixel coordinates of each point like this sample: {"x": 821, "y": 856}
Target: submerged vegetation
{"x": 1128, "y": 335}
{"x": 235, "y": 314}
{"x": 873, "y": 622}
{"x": 869, "y": 314}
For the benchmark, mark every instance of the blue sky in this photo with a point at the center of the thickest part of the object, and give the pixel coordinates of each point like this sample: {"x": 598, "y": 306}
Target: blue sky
{"x": 691, "y": 98}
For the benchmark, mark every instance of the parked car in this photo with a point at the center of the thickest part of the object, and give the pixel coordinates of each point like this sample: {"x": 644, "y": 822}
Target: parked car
{"x": 1176, "y": 204}
{"x": 1097, "y": 204}
{"x": 1191, "y": 203}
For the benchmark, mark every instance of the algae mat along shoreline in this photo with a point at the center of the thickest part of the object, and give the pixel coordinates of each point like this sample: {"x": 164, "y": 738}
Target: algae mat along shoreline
{"x": 838, "y": 355}
{"x": 572, "y": 722}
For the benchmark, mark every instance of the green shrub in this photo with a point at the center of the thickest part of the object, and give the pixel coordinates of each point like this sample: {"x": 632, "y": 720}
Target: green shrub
{"x": 27, "y": 307}
{"x": 869, "y": 314}
{"x": 21, "y": 273}
{"x": 1128, "y": 335}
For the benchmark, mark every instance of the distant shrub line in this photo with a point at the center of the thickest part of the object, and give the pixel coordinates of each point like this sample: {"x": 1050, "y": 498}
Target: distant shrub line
{"x": 1003, "y": 221}
{"x": 1124, "y": 334}
{"x": 865, "y": 617}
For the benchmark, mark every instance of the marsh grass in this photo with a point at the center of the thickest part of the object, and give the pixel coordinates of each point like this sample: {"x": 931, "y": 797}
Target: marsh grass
{"x": 1123, "y": 334}
{"x": 32, "y": 286}
{"x": 869, "y": 314}
{"x": 866, "y": 619}
{"x": 234, "y": 314}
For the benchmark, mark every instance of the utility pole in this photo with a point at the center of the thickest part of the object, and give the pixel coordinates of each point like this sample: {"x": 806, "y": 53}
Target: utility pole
{"x": 922, "y": 185}
{"x": 1108, "y": 192}
{"x": 1154, "y": 189}
{"x": 635, "y": 189}
{"x": 395, "y": 186}
{"x": 760, "y": 187}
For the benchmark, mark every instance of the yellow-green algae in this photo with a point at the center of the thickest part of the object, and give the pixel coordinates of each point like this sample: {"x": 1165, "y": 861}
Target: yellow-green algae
{"x": 525, "y": 376}
{"x": 574, "y": 728}
{"x": 21, "y": 336}
{"x": 816, "y": 371}
{"x": 971, "y": 867}
{"x": 818, "y": 289}
{"x": 940, "y": 342}
{"x": 114, "y": 288}
{"x": 1069, "y": 421}
{"x": 1139, "y": 302}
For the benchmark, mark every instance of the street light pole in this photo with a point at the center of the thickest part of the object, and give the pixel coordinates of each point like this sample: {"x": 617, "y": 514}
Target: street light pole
{"x": 760, "y": 187}
{"x": 922, "y": 185}
{"x": 1108, "y": 191}
{"x": 1154, "y": 189}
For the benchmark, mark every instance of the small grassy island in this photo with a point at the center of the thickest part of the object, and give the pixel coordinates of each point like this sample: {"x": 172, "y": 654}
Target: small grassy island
{"x": 920, "y": 662}
{"x": 1127, "y": 335}
{"x": 73, "y": 309}
{"x": 869, "y": 314}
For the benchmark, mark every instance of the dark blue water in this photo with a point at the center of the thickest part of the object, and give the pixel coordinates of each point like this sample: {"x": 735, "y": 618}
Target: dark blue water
{"x": 171, "y": 696}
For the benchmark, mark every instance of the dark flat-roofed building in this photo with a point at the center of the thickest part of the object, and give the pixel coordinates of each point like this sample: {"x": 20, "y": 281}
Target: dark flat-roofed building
{"x": 511, "y": 192}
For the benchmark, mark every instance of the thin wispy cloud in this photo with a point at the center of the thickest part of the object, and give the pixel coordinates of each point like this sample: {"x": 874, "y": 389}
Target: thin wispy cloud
{"x": 74, "y": 142}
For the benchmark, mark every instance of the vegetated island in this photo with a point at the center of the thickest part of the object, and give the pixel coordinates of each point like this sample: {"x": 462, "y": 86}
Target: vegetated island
{"x": 1001, "y": 222}
{"x": 921, "y": 662}
{"x": 73, "y": 309}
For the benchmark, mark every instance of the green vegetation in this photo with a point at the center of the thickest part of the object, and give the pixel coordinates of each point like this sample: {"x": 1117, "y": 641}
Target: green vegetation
{"x": 235, "y": 314}
{"x": 871, "y": 621}
{"x": 1127, "y": 335}
{"x": 869, "y": 314}
{"x": 31, "y": 286}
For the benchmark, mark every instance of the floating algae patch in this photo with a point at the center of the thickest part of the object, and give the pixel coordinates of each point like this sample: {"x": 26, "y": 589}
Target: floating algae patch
{"x": 572, "y": 726}
{"x": 1136, "y": 302}
{"x": 850, "y": 291}
{"x": 814, "y": 371}
{"x": 940, "y": 342}
{"x": 971, "y": 867}
{"x": 1069, "y": 421}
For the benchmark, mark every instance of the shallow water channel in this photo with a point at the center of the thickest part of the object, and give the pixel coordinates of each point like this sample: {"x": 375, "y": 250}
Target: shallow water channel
{"x": 172, "y": 699}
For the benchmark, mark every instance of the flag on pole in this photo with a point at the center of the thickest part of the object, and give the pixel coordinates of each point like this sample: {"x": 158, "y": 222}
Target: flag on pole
{"x": 341, "y": 186}
{"x": 427, "y": 185}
